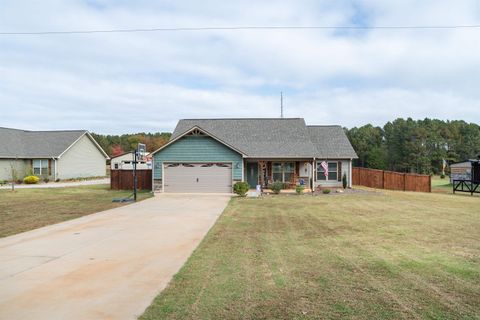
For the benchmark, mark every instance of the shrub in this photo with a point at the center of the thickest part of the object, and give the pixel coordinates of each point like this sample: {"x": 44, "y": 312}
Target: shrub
{"x": 326, "y": 191}
{"x": 344, "y": 181}
{"x": 31, "y": 179}
{"x": 46, "y": 180}
{"x": 442, "y": 176}
{"x": 299, "y": 189}
{"x": 241, "y": 188}
{"x": 277, "y": 186}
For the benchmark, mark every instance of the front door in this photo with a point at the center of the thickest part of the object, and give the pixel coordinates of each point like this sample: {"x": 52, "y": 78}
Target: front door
{"x": 252, "y": 174}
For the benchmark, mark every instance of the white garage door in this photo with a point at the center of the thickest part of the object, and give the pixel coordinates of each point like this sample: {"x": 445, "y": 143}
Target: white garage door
{"x": 198, "y": 177}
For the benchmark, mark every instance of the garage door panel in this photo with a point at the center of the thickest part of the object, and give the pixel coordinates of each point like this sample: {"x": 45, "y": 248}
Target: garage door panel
{"x": 198, "y": 178}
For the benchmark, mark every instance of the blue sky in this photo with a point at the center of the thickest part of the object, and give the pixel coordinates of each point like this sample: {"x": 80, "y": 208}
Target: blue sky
{"x": 131, "y": 82}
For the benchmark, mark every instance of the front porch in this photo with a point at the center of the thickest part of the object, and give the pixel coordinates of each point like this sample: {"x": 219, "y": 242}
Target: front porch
{"x": 264, "y": 172}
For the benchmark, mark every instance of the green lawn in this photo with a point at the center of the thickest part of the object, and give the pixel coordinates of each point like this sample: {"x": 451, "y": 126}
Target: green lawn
{"x": 441, "y": 185}
{"x": 27, "y": 209}
{"x": 392, "y": 255}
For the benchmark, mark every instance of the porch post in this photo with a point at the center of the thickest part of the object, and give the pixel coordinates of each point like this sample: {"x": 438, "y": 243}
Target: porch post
{"x": 350, "y": 173}
{"x": 313, "y": 176}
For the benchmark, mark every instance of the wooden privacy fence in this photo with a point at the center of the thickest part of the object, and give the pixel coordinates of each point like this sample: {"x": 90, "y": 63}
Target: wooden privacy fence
{"x": 123, "y": 179}
{"x": 391, "y": 180}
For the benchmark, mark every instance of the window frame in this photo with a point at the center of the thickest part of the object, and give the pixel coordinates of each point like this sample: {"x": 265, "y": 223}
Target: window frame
{"x": 327, "y": 178}
{"x": 282, "y": 171}
{"x": 42, "y": 170}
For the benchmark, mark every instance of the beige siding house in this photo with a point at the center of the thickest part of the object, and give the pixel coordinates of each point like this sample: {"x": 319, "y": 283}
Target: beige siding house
{"x": 53, "y": 155}
{"x": 125, "y": 162}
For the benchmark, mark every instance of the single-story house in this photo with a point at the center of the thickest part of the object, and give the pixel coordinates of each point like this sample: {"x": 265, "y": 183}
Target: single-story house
{"x": 56, "y": 155}
{"x": 125, "y": 162}
{"x": 210, "y": 155}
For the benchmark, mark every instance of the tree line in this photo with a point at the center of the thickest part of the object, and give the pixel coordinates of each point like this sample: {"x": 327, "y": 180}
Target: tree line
{"x": 115, "y": 145}
{"x": 416, "y": 146}
{"x": 404, "y": 145}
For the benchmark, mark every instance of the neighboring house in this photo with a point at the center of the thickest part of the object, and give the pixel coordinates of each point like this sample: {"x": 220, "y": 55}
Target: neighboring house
{"x": 50, "y": 154}
{"x": 125, "y": 162}
{"x": 210, "y": 155}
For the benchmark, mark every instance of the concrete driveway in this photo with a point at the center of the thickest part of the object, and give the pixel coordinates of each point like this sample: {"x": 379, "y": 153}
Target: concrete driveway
{"x": 108, "y": 265}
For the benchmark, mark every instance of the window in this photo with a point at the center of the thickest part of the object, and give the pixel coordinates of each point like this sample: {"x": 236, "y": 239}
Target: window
{"x": 332, "y": 171}
{"x": 277, "y": 171}
{"x": 40, "y": 167}
{"x": 283, "y": 172}
{"x": 288, "y": 169}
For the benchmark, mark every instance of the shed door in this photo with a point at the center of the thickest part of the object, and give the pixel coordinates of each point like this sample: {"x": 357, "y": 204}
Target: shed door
{"x": 198, "y": 177}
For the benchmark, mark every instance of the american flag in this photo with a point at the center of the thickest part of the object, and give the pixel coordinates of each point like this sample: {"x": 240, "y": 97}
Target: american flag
{"x": 325, "y": 168}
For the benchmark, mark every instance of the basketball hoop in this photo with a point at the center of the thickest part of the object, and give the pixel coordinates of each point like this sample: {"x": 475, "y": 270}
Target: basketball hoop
{"x": 141, "y": 152}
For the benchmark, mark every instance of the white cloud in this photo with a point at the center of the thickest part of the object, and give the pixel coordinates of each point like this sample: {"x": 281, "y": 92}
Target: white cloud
{"x": 114, "y": 83}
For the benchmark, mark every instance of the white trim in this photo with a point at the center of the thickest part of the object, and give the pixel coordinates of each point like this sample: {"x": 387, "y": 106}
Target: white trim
{"x": 314, "y": 174}
{"x": 55, "y": 168}
{"x": 350, "y": 175}
{"x": 202, "y": 130}
{"x": 328, "y": 161}
{"x": 91, "y": 139}
{"x": 163, "y": 177}
{"x": 41, "y": 167}
{"x": 153, "y": 176}
{"x": 243, "y": 170}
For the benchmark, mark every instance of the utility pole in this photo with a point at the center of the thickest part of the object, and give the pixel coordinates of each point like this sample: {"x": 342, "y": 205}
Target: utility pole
{"x": 281, "y": 104}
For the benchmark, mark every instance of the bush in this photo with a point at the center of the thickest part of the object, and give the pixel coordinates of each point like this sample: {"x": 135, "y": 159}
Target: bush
{"x": 277, "y": 186}
{"x": 442, "y": 176}
{"x": 299, "y": 189}
{"x": 241, "y": 188}
{"x": 46, "y": 180}
{"x": 344, "y": 181}
{"x": 326, "y": 191}
{"x": 31, "y": 179}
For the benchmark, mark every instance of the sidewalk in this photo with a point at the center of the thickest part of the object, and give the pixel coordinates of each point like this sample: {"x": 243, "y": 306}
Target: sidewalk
{"x": 58, "y": 184}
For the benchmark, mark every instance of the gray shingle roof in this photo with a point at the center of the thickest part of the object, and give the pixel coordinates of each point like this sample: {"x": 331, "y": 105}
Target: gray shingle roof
{"x": 331, "y": 142}
{"x": 272, "y": 138}
{"x": 15, "y": 143}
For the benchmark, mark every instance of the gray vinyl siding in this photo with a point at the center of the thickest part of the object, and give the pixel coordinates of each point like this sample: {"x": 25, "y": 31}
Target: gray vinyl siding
{"x": 334, "y": 184}
{"x": 21, "y": 166}
{"x": 198, "y": 149}
{"x": 82, "y": 160}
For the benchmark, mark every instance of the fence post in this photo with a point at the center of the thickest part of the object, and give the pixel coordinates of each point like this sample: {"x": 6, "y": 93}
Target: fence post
{"x": 383, "y": 179}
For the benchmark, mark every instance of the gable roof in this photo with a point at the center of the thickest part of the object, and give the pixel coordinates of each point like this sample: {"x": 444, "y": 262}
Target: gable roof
{"x": 331, "y": 142}
{"x": 180, "y": 135}
{"x": 256, "y": 137}
{"x": 23, "y": 144}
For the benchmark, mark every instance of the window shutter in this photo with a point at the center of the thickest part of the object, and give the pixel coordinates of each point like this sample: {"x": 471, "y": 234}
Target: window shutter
{"x": 49, "y": 167}
{"x": 339, "y": 177}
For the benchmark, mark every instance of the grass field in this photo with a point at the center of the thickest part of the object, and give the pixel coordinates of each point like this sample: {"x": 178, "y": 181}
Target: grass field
{"x": 391, "y": 255}
{"x": 27, "y": 209}
{"x": 441, "y": 185}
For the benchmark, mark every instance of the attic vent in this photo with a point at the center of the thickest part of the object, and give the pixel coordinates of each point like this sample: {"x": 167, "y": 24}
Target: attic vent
{"x": 195, "y": 132}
